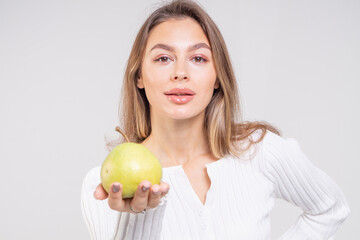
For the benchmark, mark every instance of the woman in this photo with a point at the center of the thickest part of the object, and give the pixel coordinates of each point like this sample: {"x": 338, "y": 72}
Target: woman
{"x": 220, "y": 175}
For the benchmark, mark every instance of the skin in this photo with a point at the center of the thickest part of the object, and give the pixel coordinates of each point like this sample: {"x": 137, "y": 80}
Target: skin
{"x": 178, "y": 136}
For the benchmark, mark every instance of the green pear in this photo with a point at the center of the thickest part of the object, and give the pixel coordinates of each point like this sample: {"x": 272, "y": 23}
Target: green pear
{"x": 129, "y": 164}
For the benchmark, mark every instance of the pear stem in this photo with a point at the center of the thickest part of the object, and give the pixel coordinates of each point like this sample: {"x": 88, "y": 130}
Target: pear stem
{"x": 124, "y": 135}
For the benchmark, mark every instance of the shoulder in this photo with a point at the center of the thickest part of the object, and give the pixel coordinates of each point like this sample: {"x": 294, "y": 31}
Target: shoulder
{"x": 266, "y": 139}
{"x": 279, "y": 153}
{"x": 275, "y": 144}
{"x": 270, "y": 151}
{"x": 261, "y": 143}
{"x": 270, "y": 147}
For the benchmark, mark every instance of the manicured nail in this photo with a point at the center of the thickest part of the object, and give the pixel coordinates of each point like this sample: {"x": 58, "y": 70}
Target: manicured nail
{"x": 116, "y": 188}
{"x": 156, "y": 192}
{"x": 145, "y": 188}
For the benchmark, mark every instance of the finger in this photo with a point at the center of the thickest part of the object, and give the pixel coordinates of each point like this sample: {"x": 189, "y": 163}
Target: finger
{"x": 100, "y": 193}
{"x": 140, "y": 199}
{"x": 164, "y": 188}
{"x": 115, "y": 197}
{"x": 154, "y": 196}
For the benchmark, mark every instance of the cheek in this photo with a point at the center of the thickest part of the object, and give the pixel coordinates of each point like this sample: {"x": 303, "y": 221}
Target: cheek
{"x": 151, "y": 94}
{"x": 151, "y": 79}
{"x": 208, "y": 80}
{"x": 153, "y": 89}
{"x": 208, "y": 86}
{"x": 155, "y": 76}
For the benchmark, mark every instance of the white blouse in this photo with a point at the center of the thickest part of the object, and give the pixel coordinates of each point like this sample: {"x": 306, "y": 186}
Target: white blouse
{"x": 238, "y": 203}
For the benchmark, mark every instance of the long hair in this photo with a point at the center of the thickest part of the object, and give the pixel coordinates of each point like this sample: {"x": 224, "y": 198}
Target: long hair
{"x": 223, "y": 123}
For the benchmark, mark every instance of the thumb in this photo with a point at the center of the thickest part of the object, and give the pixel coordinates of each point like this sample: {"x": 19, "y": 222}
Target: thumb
{"x": 100, "y": 193}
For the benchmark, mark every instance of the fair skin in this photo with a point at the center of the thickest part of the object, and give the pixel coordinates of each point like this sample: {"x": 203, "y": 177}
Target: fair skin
{"x": 177, "y": 55}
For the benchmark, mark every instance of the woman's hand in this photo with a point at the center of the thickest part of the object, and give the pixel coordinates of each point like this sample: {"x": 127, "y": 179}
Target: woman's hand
{"x": 147, "y": 199}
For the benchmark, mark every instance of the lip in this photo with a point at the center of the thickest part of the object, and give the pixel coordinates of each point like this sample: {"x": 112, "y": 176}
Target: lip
{"x": 180, "y": 91}
{"x": 180, "y": 99}
{"x": 180, "y": 95}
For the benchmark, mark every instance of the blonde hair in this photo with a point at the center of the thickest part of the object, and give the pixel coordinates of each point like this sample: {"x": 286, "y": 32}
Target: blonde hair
{"x": 223, "y": 123}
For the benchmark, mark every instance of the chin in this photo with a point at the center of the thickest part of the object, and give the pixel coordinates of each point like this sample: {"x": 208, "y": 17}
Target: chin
{"x": 179, "y": 112}
{"x": 183, "y": 115}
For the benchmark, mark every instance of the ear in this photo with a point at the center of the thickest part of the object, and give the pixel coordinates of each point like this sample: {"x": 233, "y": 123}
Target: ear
{"x": 139, "y": 83}
{"x": 217, "y": 84}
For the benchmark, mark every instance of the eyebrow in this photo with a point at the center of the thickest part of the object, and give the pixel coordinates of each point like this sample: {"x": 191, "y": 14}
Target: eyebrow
{"x": 171, "y": 49}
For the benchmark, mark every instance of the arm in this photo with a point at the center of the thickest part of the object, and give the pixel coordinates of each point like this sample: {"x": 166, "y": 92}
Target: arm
{"x": 141, "y": 226}
{"x": 299, "y": 182}
{"x": 104, "y": 223}
{"x": 100, "y": 220}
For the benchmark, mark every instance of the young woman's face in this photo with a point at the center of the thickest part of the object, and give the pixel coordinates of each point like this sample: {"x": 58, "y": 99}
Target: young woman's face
{"x": 178, "y": 72}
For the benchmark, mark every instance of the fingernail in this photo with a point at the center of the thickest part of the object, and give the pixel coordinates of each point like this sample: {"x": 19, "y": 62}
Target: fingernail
{"x": 145, "y": 188}
{"x": 156, "y": 192}
{"x": 116, "y": 188}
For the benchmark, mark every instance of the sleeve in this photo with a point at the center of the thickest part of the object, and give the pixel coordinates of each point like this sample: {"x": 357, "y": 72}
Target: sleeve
{"x": 301, "y": 183}
{"x": 104, "y": 223}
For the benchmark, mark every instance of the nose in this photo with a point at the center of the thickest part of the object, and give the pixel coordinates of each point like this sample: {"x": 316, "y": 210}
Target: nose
{"x": 179, "y": 73}
{"x": 179, "y": 76}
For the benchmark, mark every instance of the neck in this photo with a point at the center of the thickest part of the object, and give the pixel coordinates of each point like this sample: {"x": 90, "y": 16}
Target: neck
{"x": 178, "y": 142}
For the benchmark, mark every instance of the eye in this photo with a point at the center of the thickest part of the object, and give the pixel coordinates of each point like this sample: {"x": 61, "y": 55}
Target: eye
{"x": 162, "y": 59}
{"x": 199, "y": 59}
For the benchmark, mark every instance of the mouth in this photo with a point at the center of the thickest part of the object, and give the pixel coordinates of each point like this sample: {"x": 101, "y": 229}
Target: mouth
{"x": 180, "y": 92}
{"x": 180, "y": 95}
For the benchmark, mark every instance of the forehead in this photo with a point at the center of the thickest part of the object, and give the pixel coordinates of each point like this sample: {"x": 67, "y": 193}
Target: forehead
{"x": 179, "y": 33}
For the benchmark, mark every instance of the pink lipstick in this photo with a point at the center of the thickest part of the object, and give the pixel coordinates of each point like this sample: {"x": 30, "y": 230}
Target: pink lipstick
{"x": 180, "y": 95}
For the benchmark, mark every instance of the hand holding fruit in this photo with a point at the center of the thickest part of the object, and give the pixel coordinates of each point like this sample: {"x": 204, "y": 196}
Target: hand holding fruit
{"x": 131, "y": 171}
{"x": 141, "y": 200}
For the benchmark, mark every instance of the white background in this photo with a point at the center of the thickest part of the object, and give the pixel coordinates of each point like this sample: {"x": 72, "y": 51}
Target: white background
{"x": 61, "y": 68}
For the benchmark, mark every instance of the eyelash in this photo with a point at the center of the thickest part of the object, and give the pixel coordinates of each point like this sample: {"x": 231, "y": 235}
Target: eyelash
{"x": 201, "y": 58}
